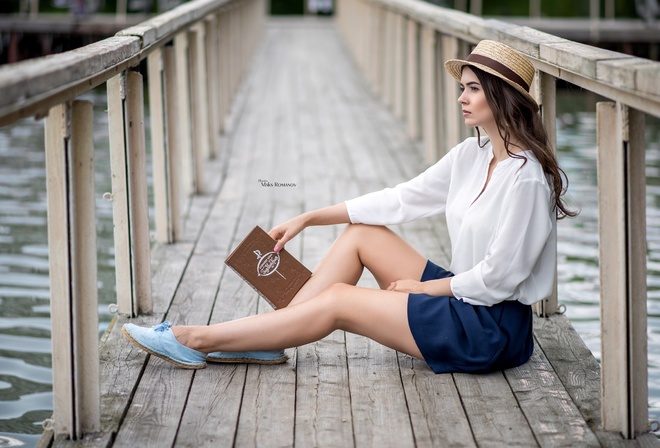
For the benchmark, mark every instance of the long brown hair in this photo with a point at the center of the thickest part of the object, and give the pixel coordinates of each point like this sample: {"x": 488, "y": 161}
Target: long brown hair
{"x": 516, "y": 116}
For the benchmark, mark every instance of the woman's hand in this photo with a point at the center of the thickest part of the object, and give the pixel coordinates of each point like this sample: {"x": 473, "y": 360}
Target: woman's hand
{"x": 286, "y": 231}
{"x": 438, "y": 287}
{"x": 409, "y": 286}
{"x": 335, "y": 214}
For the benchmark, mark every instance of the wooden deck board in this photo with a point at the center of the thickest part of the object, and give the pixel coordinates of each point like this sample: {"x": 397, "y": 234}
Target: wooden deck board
{"x": 305, "y": 116}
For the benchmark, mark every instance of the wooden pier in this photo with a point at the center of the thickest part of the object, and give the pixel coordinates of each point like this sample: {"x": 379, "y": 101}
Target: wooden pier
{"x": 233, "y": 114}
{"x": 305, "y": 116}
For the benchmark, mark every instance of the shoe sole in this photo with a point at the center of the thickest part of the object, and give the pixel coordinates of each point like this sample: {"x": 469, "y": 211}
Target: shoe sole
{"x": 158, "y": 355}
{"x": 248, "y": 360}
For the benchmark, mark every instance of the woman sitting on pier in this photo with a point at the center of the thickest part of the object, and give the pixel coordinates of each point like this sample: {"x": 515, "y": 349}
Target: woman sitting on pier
{"x": 501, "y": 196}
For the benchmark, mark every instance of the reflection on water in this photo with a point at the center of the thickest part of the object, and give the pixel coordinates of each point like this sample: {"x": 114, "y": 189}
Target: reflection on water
{"x": 25, "y": 374}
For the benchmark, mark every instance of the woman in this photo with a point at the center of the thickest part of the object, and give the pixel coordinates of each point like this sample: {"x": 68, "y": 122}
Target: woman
{"x": 501, "y": 197}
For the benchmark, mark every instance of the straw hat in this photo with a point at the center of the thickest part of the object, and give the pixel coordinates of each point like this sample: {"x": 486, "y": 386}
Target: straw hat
{"x": 499, "y": 60}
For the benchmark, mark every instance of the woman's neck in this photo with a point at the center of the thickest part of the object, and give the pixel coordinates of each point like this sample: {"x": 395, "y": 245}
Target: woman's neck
{"x": 497, "y": 142}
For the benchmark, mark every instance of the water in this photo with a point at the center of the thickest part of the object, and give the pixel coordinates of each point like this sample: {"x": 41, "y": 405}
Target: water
{"x": 25, "y": 359}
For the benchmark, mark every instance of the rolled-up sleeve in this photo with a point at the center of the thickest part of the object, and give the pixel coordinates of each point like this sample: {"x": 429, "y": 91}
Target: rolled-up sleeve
{"x": 521, "y": 237}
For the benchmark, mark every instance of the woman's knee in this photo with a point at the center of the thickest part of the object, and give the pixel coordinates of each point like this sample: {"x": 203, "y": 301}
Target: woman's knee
{"x": 333, "y": 299}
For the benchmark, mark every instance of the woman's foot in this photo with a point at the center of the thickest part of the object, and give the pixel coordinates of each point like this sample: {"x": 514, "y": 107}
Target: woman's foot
{"x": 255, "y": 357}
{"x": 161, "y": 342}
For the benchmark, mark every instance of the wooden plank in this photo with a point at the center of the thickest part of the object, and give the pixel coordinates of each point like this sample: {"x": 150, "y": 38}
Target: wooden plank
{"x": 549, "y": 409}
{"x": 578, "y": 371}
{"x": 484, "y": 397}
{"x": 323, "y": 412}
{"x": 378, "y": 400}
{"x": 435, "y": 406}
{"x": 227, "y": 224}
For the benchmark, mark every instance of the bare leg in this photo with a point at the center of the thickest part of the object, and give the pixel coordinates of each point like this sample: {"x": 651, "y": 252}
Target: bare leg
{"x": 377, "y": 314}
{"x": 385, "y": 254}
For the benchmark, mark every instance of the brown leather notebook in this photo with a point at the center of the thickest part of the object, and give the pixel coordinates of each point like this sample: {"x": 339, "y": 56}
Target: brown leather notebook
{"x": 276, "y": 276}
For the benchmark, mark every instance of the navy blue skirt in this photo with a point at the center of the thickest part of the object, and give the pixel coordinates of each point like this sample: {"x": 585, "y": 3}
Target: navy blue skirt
{"x": 454, "y": 336}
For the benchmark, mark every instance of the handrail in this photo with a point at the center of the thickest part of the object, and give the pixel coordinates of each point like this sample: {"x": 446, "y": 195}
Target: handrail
{"x": 400, "y": 46}
{"x": 196, "y": 55}
{"x": 31, "y": 87}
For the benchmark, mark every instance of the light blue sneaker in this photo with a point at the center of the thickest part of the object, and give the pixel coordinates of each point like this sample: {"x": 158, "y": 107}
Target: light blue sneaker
{"x": 160, "y": 341}
{"x": 257, "y": 357}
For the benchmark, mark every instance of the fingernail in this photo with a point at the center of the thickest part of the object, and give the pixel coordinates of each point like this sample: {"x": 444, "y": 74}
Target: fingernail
{"x": 277, "y": 249}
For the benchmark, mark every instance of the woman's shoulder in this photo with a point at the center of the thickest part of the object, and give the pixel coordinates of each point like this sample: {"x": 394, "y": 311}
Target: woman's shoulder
{"x": 469, "y": 149}
{"x": 529, "y": 168}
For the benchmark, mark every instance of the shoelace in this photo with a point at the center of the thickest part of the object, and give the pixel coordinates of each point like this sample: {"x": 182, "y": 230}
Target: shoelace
{"x": 164, "y": 326}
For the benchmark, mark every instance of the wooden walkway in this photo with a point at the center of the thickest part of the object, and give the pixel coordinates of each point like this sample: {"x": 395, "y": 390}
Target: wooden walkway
{"x": 305, "y": 117}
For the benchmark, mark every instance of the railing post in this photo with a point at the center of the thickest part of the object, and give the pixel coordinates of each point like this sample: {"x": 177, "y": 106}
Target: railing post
{"x": 199, "y": 109}
{"x": 429, "y": 81}
{"x": 413, "y": 80}
{"x": 545, "y": 93}
{"x": 622, "y": 232}
{"x": 181, "y": 51}
{"x": 174, "y": 152}
{"x": 129, "y": 193}
{"x": 400, "y": 67}
{"x": 73, "y": 269}
{"x": 160, "y": 162}
{"x": 454, "y": 129}
{"x": 212, "y": 71}
{"x": 223, "y": 70}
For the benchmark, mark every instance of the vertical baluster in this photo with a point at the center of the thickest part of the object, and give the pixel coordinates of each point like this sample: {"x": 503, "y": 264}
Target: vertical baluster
{"x": 73, "y": 268}
{"x": 212, "y": 70}
{"x": 172, "y": 113}
{"x": 160, "y": 163}
{"x": 544, "y": 90}
{"x": 129, "y": 193}
{"x": 120, "y": 208}
{"x": 454, "y": 129}
{"x": 138, "y": 199}
{"x": 199, "y": 109}
{"x": 413, "y": 81}
{"x": 400, "y": 66}
{"x": 622, "y": 232}
{"x": 186, "y": 159}
{"x": 430, "y": 124}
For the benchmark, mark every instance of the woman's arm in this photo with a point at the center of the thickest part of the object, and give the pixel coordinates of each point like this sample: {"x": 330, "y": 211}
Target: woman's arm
{"x": 335, "y": 214}
{"x": 439, "y": 287}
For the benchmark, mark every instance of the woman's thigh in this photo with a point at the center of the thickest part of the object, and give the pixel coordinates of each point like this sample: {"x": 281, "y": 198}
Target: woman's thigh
{"x": 377, "y": 314}
{"x": 386, "y": 255}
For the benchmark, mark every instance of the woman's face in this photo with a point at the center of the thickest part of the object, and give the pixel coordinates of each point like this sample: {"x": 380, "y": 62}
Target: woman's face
{"x": 476, "y": 110}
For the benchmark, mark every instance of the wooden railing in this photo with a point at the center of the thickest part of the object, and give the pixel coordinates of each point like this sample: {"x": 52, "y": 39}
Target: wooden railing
{"x": 196, "y": 57}
{"x": 400, "y": 45}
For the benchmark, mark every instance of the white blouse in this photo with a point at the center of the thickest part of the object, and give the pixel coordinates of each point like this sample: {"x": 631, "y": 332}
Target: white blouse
{"x": 503, "y": 241}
